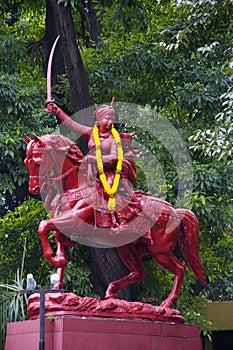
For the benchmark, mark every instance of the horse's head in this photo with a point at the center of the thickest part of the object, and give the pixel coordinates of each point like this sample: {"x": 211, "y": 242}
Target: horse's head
{"x": 52, "y": 159}
{"x": 37, "y": 162}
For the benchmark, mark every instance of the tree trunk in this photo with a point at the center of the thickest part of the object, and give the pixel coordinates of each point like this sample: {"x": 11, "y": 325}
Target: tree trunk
{"x": 93, "y": 23}
{"x": 107, "y": 267}
{"x": 80, "y": 96}
{"x": 88, "y": 18}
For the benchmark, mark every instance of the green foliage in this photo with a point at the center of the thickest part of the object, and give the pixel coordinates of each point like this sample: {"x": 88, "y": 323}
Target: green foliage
{"x": 12, "y": 305}
{"x": 215, "y": 140}
{"x": 212, "y": 203}
{"x": 221, "y": 288}
{"x": 77, "y": 279}
{"x": 12, "y": 302}
{"x": 78, "y": 274}
{"x": 10, "y": 294}
{"x": 22, "y": 95}
{"x": 19, "y": 227}
{"x": 67, "y": 2}
{"x": 161, "y": 63}
{"x": 193, "y": 308}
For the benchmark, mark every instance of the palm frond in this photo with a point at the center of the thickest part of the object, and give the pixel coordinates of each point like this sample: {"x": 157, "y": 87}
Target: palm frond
{"x": 12, "y": 302}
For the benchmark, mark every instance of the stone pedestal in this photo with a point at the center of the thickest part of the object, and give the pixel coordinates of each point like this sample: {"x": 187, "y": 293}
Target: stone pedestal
{"x": 96, "y": 333}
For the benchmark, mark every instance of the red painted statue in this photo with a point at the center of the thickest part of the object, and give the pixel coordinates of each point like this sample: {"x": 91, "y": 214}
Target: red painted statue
{"x": 55, "y": 160}
{"x": 91, "y": 201}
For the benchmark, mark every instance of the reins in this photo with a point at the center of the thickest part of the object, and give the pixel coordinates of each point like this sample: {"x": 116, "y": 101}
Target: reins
{"x": 48, "y": 181}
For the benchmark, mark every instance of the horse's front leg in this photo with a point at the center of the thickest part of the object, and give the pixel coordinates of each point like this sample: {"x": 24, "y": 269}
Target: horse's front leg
{"x": 61, "y": 254}
{"x": 59, "y": 260}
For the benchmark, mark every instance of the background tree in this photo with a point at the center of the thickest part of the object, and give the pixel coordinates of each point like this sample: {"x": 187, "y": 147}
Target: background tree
{"x": 175, "y": 57}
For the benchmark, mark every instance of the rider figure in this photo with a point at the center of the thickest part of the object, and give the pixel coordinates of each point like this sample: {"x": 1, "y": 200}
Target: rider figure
{"x": 128, "y": 202}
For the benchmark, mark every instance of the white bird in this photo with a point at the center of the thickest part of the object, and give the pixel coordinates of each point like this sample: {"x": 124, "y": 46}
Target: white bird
{"x": 54, "y": 279}
{"x": 31, "y": 283}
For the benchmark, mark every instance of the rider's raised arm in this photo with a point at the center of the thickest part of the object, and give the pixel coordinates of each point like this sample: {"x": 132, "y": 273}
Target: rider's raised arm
{"x": 64, "y": 118}
{"x": 71, "y": 124}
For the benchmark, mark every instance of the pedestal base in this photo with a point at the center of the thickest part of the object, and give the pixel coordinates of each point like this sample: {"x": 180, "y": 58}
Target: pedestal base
{"x": 60, "y": 304}
{"x": 83, "y": 333}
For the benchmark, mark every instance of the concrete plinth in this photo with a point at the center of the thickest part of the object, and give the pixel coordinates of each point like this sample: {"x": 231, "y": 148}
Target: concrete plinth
{"x": 83, "y": 333}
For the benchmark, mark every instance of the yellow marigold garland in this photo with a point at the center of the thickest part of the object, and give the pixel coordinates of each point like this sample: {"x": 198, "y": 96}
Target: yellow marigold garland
{"x": 109, "y": 190}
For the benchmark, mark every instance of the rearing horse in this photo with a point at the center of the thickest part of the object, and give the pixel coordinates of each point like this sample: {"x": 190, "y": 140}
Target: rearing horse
{"x": 54, "y": 165}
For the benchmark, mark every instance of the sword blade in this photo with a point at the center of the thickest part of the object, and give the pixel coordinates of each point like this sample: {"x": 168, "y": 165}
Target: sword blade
{"x": 49, "y": 70}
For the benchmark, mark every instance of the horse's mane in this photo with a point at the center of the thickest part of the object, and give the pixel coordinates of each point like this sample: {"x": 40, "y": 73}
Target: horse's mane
{"x": 60, "y": 143}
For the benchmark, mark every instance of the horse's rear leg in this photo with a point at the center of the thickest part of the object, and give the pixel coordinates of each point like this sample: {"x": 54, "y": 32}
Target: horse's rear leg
{"x": 170, "y": 263}
{"x": 132, "y": 259}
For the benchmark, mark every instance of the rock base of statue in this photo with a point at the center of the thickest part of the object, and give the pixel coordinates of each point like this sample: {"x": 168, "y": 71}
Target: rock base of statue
{"x": 57, "y": 304}
{"x": 97, "y": 333}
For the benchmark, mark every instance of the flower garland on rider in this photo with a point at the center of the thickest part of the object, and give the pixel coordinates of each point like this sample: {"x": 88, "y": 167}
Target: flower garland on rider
{"x": 111, "y": 191}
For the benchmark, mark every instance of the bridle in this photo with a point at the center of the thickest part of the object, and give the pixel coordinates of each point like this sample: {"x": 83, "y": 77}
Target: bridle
{"x": 48, "y": 181}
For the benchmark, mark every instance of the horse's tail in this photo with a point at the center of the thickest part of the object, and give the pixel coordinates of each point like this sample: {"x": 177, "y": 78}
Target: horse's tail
{"x": 188, "y": 242}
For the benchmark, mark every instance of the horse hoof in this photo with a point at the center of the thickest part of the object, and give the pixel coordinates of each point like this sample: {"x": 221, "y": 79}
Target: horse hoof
{"x": 110, "y": 296}
{"x": 57, "y": 286}
{"x": 166, "y": 304}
